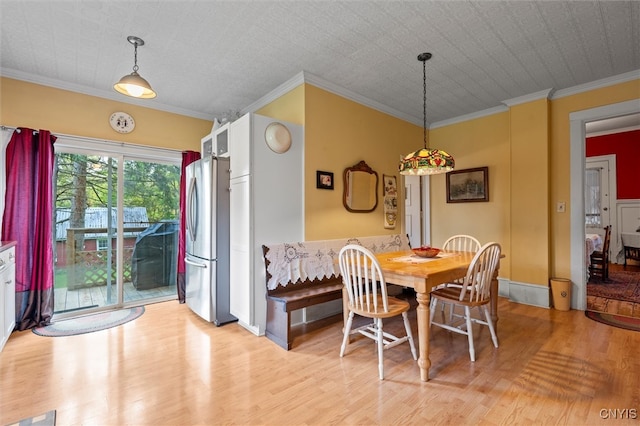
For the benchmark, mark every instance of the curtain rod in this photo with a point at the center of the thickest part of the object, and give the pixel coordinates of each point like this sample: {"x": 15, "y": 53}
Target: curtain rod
{"x": 85, "y": 138}
{"x": 9, "y": 128}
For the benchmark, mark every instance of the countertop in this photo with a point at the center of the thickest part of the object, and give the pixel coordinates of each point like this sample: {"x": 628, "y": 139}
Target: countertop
{"x": 6, "y": 244}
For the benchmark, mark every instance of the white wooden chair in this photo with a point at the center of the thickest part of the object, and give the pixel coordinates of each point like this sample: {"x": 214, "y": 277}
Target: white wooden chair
{"x": 459, "y": 242}
{"x": 367, "y": 292}
{"x": 474, "y": 293}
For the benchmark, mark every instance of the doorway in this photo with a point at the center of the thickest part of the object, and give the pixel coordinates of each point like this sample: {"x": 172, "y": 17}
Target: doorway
{"x": 578, "y": 121}
{"x": 115, "y": 230}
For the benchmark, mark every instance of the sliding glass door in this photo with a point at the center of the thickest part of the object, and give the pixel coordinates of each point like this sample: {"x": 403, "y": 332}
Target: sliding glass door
{"x": 115, "y": 230}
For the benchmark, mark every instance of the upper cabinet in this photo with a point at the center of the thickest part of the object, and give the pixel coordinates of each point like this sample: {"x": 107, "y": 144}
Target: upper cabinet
{"x": 240, "y": 139}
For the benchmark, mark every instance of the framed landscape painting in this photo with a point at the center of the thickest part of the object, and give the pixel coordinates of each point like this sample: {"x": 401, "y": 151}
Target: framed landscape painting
{"x": 468, "y": 185}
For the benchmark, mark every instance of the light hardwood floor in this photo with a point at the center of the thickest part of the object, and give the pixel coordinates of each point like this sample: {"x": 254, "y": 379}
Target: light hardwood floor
{"x": 169, "y": 367}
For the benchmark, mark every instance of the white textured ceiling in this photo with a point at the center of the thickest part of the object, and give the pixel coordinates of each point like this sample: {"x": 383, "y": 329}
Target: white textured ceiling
{"x": 214, "y": 58}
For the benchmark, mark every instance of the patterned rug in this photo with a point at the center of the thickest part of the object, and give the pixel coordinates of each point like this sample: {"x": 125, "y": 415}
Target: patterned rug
{"x": 89, "y": 323}
{"x": 622, "y": 285}
{"x": 619, "y": 321}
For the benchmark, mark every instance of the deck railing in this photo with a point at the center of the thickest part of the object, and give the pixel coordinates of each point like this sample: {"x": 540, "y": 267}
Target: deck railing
{"x": 90, "y": 268}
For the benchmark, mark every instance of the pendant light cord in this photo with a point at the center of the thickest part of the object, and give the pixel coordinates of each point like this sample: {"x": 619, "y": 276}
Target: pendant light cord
{"x": 135, "y": 59}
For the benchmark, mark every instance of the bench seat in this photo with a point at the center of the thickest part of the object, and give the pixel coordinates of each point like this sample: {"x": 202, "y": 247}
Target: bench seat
{"x": 282, "y": 301}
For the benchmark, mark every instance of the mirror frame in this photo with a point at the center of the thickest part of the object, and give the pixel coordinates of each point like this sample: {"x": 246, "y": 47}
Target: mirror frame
{"x": 360, "y": 167}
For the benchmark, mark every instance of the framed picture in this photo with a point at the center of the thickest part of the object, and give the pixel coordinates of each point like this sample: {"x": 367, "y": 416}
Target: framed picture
{"x": 324, "y": 180}
{"x": 469, "y": 185}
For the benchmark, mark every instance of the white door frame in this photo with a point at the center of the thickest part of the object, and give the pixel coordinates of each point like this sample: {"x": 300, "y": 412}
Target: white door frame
{"x": 577, "y": 121}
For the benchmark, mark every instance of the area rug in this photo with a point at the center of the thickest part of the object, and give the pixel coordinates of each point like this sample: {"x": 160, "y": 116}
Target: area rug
{"x": 619, "y": 321}
{"x": 622, "y": 285}
{"x": 89, "y": 323}
{"x": 46, "y": 419}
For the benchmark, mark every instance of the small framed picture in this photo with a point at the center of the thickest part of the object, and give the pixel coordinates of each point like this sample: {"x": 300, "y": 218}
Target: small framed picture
{"x": 324, "y": 180}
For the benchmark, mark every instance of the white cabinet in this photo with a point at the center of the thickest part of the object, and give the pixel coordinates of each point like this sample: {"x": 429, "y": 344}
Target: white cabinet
{"x": 240, "y": 146}
{"x": 267, "y": 206}
{"x": 8, "y": 291}
{"x": 241, "y": 296}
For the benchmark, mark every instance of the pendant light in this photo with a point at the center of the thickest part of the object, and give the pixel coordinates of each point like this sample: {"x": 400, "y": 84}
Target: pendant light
{"x": 133, "y": 84}
{"x": 426, "y": 161}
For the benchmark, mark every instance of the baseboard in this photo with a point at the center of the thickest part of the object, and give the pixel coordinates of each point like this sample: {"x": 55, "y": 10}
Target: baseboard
{"x": 525, "y": 293}
{"x": 253, "y": 329}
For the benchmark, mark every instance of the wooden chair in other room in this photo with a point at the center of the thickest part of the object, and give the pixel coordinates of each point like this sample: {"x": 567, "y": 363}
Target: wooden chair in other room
{"x": 367, "y": 291}
{"x": 474, "y": 293}
{"x": 599, "y": 266}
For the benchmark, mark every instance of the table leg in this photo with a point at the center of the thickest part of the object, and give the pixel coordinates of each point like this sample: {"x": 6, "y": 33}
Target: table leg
{"x": 423, "y": 314}
{"x": 494, "y": 298}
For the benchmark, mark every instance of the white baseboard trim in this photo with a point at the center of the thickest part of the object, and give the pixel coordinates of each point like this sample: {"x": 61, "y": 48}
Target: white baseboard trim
{"x": 525, "y": 293}
{"x": 252, "y": 328}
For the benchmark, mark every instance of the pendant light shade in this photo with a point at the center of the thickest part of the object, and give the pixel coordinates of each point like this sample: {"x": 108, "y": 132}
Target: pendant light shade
{"x": 133, "y": 84}
{"x": 426, "y": 161}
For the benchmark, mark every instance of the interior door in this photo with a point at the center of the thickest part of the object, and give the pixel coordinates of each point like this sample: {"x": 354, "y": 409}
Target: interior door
{"x": 597, "y": 197}
{"x": 412, "y": 210}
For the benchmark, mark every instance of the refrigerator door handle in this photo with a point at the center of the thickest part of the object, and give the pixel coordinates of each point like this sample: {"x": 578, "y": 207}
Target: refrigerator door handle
{"x": 192, "y": 209}
{"x": 199, "y": 265}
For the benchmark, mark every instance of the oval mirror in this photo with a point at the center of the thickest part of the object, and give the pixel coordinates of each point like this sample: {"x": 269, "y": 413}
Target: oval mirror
{"x": 360, "y": 188}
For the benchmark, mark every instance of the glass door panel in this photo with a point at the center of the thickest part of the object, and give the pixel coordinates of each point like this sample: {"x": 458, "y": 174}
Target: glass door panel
{"x": 151, "y": 189}
{"x": 85, "y": 228}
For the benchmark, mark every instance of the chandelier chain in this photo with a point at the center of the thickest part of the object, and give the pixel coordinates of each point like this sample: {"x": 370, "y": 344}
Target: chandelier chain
{"x": 424, "y": 102}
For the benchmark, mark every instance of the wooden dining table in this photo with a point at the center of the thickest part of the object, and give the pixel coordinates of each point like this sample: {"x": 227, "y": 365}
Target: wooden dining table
{"x": 406, "y": 269}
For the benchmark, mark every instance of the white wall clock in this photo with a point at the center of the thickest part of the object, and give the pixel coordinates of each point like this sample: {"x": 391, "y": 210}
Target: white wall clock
{"x": 122, "y": 122}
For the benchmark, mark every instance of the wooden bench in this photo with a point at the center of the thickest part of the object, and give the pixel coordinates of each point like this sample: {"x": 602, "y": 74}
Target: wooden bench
{"x": 283, "y": 300}
{"x": 285, "y": 294}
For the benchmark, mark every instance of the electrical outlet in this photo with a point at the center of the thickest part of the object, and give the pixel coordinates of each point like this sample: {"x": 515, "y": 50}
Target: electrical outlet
{"x": 560, "y": 207}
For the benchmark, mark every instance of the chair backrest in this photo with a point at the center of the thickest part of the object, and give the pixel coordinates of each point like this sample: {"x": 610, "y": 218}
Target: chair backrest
{"x": 363, "y": 279}
{"x": 461, "y": 243}
{"x": 477, "y": 282}
{"x": 605, "y": 244}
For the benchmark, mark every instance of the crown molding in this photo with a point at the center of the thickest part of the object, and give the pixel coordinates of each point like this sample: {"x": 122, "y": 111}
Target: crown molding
{"x": 104, "y": 94}
{"x": 363, "y": 100}
{"x": 306, "y": 77}
{"x": 542, "y": 94}
{"x": 470, "y": 116}
{"x": 597, "y": 84}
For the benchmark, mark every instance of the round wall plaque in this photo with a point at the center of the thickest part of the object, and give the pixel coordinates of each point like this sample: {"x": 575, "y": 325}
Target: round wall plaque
{"x": 122, "y": 122}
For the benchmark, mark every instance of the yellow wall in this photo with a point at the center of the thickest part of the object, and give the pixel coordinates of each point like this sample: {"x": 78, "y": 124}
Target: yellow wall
{"x": 35, "y": 106}
{"x": 529, "y": 144}
{"x": 288, "y": 107}
{"x": 475, "y": 143}
{"x": 527, "y": 150}
{"x": 339, "y": 133}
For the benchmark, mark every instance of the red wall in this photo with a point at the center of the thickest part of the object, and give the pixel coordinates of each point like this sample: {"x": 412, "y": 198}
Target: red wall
{"x": 626, "y": 147}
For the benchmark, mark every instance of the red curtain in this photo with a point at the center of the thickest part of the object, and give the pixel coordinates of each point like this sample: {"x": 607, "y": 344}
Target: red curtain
{"x": 28, "y": 221}
{"x": 188, "y": 157}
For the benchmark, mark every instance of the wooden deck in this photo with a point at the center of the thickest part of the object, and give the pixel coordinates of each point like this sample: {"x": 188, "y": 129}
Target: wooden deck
{"x": 93, "y": 297}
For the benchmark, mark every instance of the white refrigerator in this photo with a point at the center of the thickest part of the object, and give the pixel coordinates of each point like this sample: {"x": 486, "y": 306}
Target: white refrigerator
{"x": 207, "y": 239}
